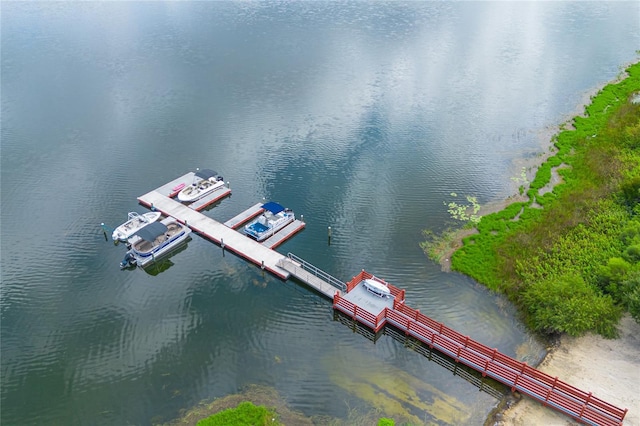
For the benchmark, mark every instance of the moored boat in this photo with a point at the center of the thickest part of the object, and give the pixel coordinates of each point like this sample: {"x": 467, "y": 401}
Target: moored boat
{"x": 155, "y": 240}
{"x": 134, "y": 223}
{"x": 205, "y": 181}
{"x": 274, "y": 218}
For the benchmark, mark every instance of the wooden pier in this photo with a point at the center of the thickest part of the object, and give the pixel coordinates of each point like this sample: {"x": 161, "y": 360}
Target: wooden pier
{"x": 550, "y": 391}
{"x": 376, "y": 312}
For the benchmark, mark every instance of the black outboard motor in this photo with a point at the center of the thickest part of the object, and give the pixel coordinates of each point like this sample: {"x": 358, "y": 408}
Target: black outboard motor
{"x": 129, "y": 260}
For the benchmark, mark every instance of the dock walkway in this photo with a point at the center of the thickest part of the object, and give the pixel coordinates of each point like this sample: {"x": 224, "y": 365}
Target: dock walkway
{"x": 217, "y": 232}
{"x": 314, "y": 278}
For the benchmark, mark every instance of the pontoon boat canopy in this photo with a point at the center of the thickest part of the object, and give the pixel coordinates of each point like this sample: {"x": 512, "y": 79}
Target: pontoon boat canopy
{"x": 152, "y": 231}
{"x": 206, "y": 173}
{"x": 274, "y": 208}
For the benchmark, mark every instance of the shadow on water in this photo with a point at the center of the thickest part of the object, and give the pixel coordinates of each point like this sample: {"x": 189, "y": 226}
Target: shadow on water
{"x": 484, "y": 384}
{"x": 160, "y": 264}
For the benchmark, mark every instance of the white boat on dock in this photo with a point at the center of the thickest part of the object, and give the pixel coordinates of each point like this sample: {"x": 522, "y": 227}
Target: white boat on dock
{"x": 376, "y": 287}
{"x": 205, "y": 182}
{"x": 134, "y": 223}
{"x": 274, "y": 218}
{"x": 155, "y": 240}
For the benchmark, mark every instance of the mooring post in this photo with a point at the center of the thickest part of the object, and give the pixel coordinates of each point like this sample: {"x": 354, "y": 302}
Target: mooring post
{"x": 329, "y": 235}
{"x": 153, "y": 209}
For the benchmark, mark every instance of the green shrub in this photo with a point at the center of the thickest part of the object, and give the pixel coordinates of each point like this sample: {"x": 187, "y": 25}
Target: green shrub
{"x": 245, "y": 414}
{"x": 569, "y": 305}
{"x": 570, "y": 265}
{"x": 632, "y": 294}
{"x": 632, "y": 253}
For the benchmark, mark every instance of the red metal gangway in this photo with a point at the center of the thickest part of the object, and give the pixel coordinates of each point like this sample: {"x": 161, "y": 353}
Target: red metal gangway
{"x": 580, "y": 405}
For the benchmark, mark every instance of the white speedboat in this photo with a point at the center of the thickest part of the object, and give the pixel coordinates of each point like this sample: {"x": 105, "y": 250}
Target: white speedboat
{"x": 274, "y": 218}
{"x": 377, "y": 288}
{"x": 155, "y": 240}
{"x": 134, "y": 222}
{"x": 205, "y": 181}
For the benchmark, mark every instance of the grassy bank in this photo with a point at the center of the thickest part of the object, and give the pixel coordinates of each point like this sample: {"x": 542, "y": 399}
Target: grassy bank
{"x": 569, "y": 259}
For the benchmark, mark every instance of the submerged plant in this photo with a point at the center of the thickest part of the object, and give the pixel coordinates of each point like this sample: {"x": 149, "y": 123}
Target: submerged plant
{"x": 522, "y": 180}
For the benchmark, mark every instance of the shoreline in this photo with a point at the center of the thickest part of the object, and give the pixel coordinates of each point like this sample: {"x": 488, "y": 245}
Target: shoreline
{"x": 610, "y": 369}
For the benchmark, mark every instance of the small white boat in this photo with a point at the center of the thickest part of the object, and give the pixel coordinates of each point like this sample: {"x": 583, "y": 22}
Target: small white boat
{"x": 274, "y": 218}
{"x": 155, "y": 240}
{"x": 377, "y": 288}
{"x": 134, "y": 222}
{"x": 205, "y": 181}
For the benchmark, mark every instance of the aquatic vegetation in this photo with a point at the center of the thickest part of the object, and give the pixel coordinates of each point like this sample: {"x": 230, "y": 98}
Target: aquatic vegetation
{"x": 398, "y": 394}
{"x": 245, "y": 414}
{"x": 464, "y": 212}
{"x": 522, "y": 180}
{"x": 572, "y": 265}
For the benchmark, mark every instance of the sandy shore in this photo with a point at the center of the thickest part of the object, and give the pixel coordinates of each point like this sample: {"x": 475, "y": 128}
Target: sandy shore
{"x": 608, "y": 368}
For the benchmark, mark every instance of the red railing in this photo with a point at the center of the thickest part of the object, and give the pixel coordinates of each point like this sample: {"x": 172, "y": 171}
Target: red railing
{"x": 559, "y": 395}
{"x": 358, "y": 313}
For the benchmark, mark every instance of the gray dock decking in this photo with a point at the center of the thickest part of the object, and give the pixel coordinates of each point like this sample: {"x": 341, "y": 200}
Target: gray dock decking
{"x": 217, "y": 232}
{"x": 307, "y": 277}
{"x": 245, "y": 216}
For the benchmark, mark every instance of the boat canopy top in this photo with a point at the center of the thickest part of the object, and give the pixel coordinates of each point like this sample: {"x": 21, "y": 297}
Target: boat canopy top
{"x": 274, "y": 208}
{"x": 206, "y": 173}
{"x": 152, "y": 231}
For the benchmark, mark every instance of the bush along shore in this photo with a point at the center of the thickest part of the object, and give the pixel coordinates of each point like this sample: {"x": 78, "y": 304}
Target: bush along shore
{"x": 569, "y": 258}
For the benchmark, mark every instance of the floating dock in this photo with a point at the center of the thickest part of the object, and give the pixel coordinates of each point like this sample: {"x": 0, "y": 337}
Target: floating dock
{"x": 261, "y": 254}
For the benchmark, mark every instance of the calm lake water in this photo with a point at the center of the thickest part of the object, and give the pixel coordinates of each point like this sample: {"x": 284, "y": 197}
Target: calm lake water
{"x": 362, "y": 116}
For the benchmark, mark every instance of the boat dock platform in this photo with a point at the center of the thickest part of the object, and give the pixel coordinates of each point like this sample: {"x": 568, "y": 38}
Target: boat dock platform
{"x": 172, "y": 188}
{"x": 354, "y": 300}
{"x": 259, "y": 253}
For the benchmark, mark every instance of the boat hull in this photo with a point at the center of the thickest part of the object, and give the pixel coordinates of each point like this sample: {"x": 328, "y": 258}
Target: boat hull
{"x": 376, "y": 288}
{"x": 197, "y": 190}
{"x": 265, "y": 226}
{"x": 134, "y": 224}
{"x": 144, "y": 252}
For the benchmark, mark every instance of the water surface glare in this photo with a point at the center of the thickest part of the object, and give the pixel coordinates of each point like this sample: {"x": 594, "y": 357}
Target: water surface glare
{"x": 361, "y": 116}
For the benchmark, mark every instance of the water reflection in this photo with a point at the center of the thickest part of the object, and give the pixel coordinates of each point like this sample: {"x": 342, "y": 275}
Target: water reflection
{"x": 361, "y": 116}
